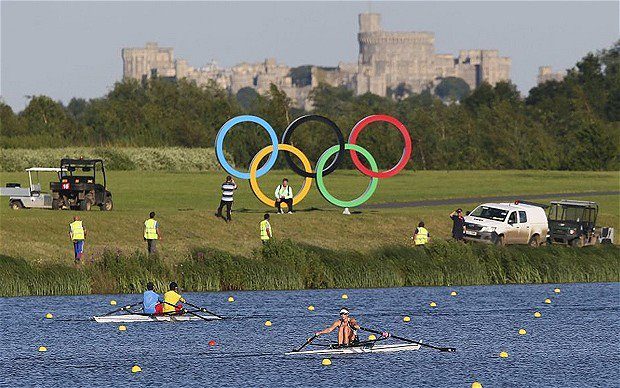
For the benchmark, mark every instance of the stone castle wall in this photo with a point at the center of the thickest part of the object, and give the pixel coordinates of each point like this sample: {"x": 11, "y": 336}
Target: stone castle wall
{"x": 386, "y": 61}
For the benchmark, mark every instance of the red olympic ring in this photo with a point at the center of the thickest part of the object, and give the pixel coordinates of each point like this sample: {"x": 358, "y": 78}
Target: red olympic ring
{"x": 406, "y": 151}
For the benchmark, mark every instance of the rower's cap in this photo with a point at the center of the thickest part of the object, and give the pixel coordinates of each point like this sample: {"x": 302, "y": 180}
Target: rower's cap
{"x": 173, "y": 286}
{"x": 344, "y": 310}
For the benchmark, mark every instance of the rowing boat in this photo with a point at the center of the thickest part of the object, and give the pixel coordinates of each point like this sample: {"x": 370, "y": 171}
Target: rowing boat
{"x": 129, "y": 318}
{"x": 356, "y": 349}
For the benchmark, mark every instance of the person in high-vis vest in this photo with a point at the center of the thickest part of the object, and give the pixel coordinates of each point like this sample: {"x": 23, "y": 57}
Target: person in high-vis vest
{"x": 421, "y": 235}
{"x": 151, "y": 233}
{"x": 77, "y": 233}
{"x": 265, "y": 229}
{"x": 284, "y": 193}
{"x": 172, "y": 299}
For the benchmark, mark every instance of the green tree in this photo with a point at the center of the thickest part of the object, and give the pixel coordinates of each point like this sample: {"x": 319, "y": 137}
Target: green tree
{"x": 452, "y": 89}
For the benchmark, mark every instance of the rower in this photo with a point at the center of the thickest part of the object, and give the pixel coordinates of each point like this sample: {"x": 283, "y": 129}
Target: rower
{"x": 347, "y": 328}
{"x": 152, "y": 302}
{"x": 172, "y": 299}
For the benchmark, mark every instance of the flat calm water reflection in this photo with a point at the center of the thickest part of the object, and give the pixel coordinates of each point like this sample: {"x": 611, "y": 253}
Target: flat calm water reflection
{"x": 574, "y": 344}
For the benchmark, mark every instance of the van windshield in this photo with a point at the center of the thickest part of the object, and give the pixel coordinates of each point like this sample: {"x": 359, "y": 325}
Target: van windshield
{"x": 490, "y": 213}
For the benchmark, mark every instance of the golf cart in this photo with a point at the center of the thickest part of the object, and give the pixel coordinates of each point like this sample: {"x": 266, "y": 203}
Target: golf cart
{"x": 82, "y": 184}
{"x": 574, "y": 223}
{"x": 30, "y": 197}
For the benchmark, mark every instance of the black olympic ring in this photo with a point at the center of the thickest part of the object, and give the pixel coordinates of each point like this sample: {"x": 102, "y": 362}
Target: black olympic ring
{"x": 286, "y": 137}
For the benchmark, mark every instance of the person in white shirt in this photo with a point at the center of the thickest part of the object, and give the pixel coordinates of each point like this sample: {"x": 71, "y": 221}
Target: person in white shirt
{"x": 284, "y": 193}
{"x": 228, "y": 189}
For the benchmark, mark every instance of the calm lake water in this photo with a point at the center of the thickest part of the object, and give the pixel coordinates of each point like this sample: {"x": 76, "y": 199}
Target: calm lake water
{"x": 574, "y": 344}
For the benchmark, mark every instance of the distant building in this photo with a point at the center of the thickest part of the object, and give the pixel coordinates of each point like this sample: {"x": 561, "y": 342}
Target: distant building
{"x": 546, "y": 73}
{"x": 387, "y": 60}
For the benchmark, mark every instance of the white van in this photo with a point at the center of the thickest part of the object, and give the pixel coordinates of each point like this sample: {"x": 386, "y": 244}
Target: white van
{"x": 507, "y": 223}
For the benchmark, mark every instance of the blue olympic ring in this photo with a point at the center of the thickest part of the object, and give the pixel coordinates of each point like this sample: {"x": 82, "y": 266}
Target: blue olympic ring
{"x": 219, "y": 146}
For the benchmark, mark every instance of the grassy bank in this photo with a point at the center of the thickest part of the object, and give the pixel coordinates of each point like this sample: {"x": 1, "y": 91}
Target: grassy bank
{"x": 286, "y": 265}
{"x": 185, "y": 205}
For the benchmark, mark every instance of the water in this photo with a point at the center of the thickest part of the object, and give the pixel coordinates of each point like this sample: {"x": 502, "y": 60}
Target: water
{"x": 573, "y": 344}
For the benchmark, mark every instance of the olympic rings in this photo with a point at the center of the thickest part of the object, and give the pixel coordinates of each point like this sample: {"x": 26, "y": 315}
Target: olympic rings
{"x": 286, "y": 137}
{"x": 321, "y": 171}
{"x": 403, "y": 159}
{"x": 305, "y": 188}
{"x": 372, "y": 185}
{"x": 219, "y": 146}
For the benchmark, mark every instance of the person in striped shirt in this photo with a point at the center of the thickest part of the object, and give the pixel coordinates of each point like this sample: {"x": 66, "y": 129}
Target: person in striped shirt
{"x": 228, "y": 189}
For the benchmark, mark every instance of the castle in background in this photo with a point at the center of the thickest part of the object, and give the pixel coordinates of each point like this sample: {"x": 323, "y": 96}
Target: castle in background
{"x": 387, "y": 61}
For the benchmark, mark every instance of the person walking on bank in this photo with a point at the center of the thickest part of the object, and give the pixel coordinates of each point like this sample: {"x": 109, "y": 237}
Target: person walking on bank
{"x": 228, "y": 189}
{"x": 265, "y": 229}
{"x": 284, "y": 193}
{"x": 421, "y": 236}
{"x": 77, "y": 233}
{"x": 458, "y": 224}
{"x": 151, "y": 233}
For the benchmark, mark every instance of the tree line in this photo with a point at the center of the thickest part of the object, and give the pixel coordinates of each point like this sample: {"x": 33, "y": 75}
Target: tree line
{"x": 571, "y": 125}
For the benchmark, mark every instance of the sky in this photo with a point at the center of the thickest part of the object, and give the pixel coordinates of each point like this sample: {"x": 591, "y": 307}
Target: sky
{"x": 73, "y": 49}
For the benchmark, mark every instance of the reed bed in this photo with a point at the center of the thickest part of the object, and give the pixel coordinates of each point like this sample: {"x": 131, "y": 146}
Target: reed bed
{"x": 288, "y": 265}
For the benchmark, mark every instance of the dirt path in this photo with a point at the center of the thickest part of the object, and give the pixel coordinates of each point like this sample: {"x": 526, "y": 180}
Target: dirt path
{"x": 461, "y": 201}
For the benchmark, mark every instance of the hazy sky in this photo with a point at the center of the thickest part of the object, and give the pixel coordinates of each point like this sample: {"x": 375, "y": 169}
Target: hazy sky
{"x": 73, "y": 49}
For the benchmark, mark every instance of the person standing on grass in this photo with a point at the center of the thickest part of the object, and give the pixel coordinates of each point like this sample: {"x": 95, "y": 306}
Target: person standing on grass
{"x": 228, "y": 189}
{"x": 77, "y": 233}
{"x": 458, "y": 224}
{"x": 265, "y": 229}
{"x": 284, "y": 193}
{"x": 151, "y": 233}
{"x": 421, "y": 236}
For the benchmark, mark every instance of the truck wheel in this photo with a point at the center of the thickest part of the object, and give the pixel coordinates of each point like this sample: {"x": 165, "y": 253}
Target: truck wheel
{"x": 533, "y": 241}
{"x": 107, "y": 205}
{"x": 85, "y": 205}
{"x": 16, "y": 205}
{"x": 55, "y": 204}
{"x": 500, "y": 241}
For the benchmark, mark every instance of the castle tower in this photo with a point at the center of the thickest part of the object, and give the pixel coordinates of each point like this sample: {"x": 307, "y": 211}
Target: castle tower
{"x": 149, "y": 60}
{"x": 370, "y": 22}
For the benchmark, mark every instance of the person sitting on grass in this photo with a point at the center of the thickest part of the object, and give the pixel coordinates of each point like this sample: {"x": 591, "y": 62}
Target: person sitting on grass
{"x": 284, "y": 193}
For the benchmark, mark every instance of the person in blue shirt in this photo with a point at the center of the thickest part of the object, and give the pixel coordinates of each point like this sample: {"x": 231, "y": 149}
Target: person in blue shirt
{"x": 152, "y": 303}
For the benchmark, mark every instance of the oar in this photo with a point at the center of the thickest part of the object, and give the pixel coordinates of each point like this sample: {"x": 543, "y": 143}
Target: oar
{"x": 122, "y": 308}
{"x": 411, "y": 341}
{"x": 189, "y": 312}
{"x": 204, "y": 310}
{"x": 306, "y": 343}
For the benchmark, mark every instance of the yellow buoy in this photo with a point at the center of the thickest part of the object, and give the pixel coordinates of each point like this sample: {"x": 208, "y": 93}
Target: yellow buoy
{"x": 433, "y": 304}
{"x": 476, "y": 384}
{"x": 122, "y": 328}
{"x": 231, "y": 299}
{"x": 406, "y": 318}
{"x": 113, "y": 302}
{"x": 42, "y": 349}
{"x": 326, "y": 361}
{"x": 548, "y": 301}
{"x": 453, "y": 293}
{"x": 311, "y": 308}
{"x": 556, "y": 290}
{"x": 522, "y": 331}
{"x": 49, "y": 316}
{"x": 345, "y": 296}
{"x": 267, "y": 323}
{"x": 537, "y": 314}
{"x": 503, "y": 355}
{"x": 136, "y": 369}
{"x": 372, "y": 337}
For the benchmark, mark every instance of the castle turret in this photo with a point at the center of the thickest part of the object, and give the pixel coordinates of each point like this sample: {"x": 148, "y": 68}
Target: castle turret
{"x": 370, "y": 22}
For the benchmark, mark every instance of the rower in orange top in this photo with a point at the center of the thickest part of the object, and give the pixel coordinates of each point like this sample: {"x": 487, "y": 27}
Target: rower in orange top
{"x": 347, "y": 328}
{"x": 172, "y": 299}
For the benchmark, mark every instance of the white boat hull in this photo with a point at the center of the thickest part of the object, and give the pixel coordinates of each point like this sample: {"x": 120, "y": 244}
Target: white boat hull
{"x": 361, "y": 349}
{"x": 129, "y": 318}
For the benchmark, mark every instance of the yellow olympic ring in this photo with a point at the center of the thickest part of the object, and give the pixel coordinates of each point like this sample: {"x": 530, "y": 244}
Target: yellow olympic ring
{"x": 305, "y": 188}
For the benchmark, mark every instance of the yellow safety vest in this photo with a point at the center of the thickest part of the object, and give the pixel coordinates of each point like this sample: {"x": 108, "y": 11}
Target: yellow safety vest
{"x": 77, "y": 230}
{"x": 173, "y": 298}
{"x": 421, "y": 237}
{"x": 263, "y": 230}
{"x": 150, "y": 229}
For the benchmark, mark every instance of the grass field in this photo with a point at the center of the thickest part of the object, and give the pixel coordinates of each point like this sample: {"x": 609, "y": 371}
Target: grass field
{"x": 185, "y": 205}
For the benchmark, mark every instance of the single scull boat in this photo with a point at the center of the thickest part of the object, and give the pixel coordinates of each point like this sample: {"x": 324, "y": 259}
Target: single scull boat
{"x": 362, "y": 348}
